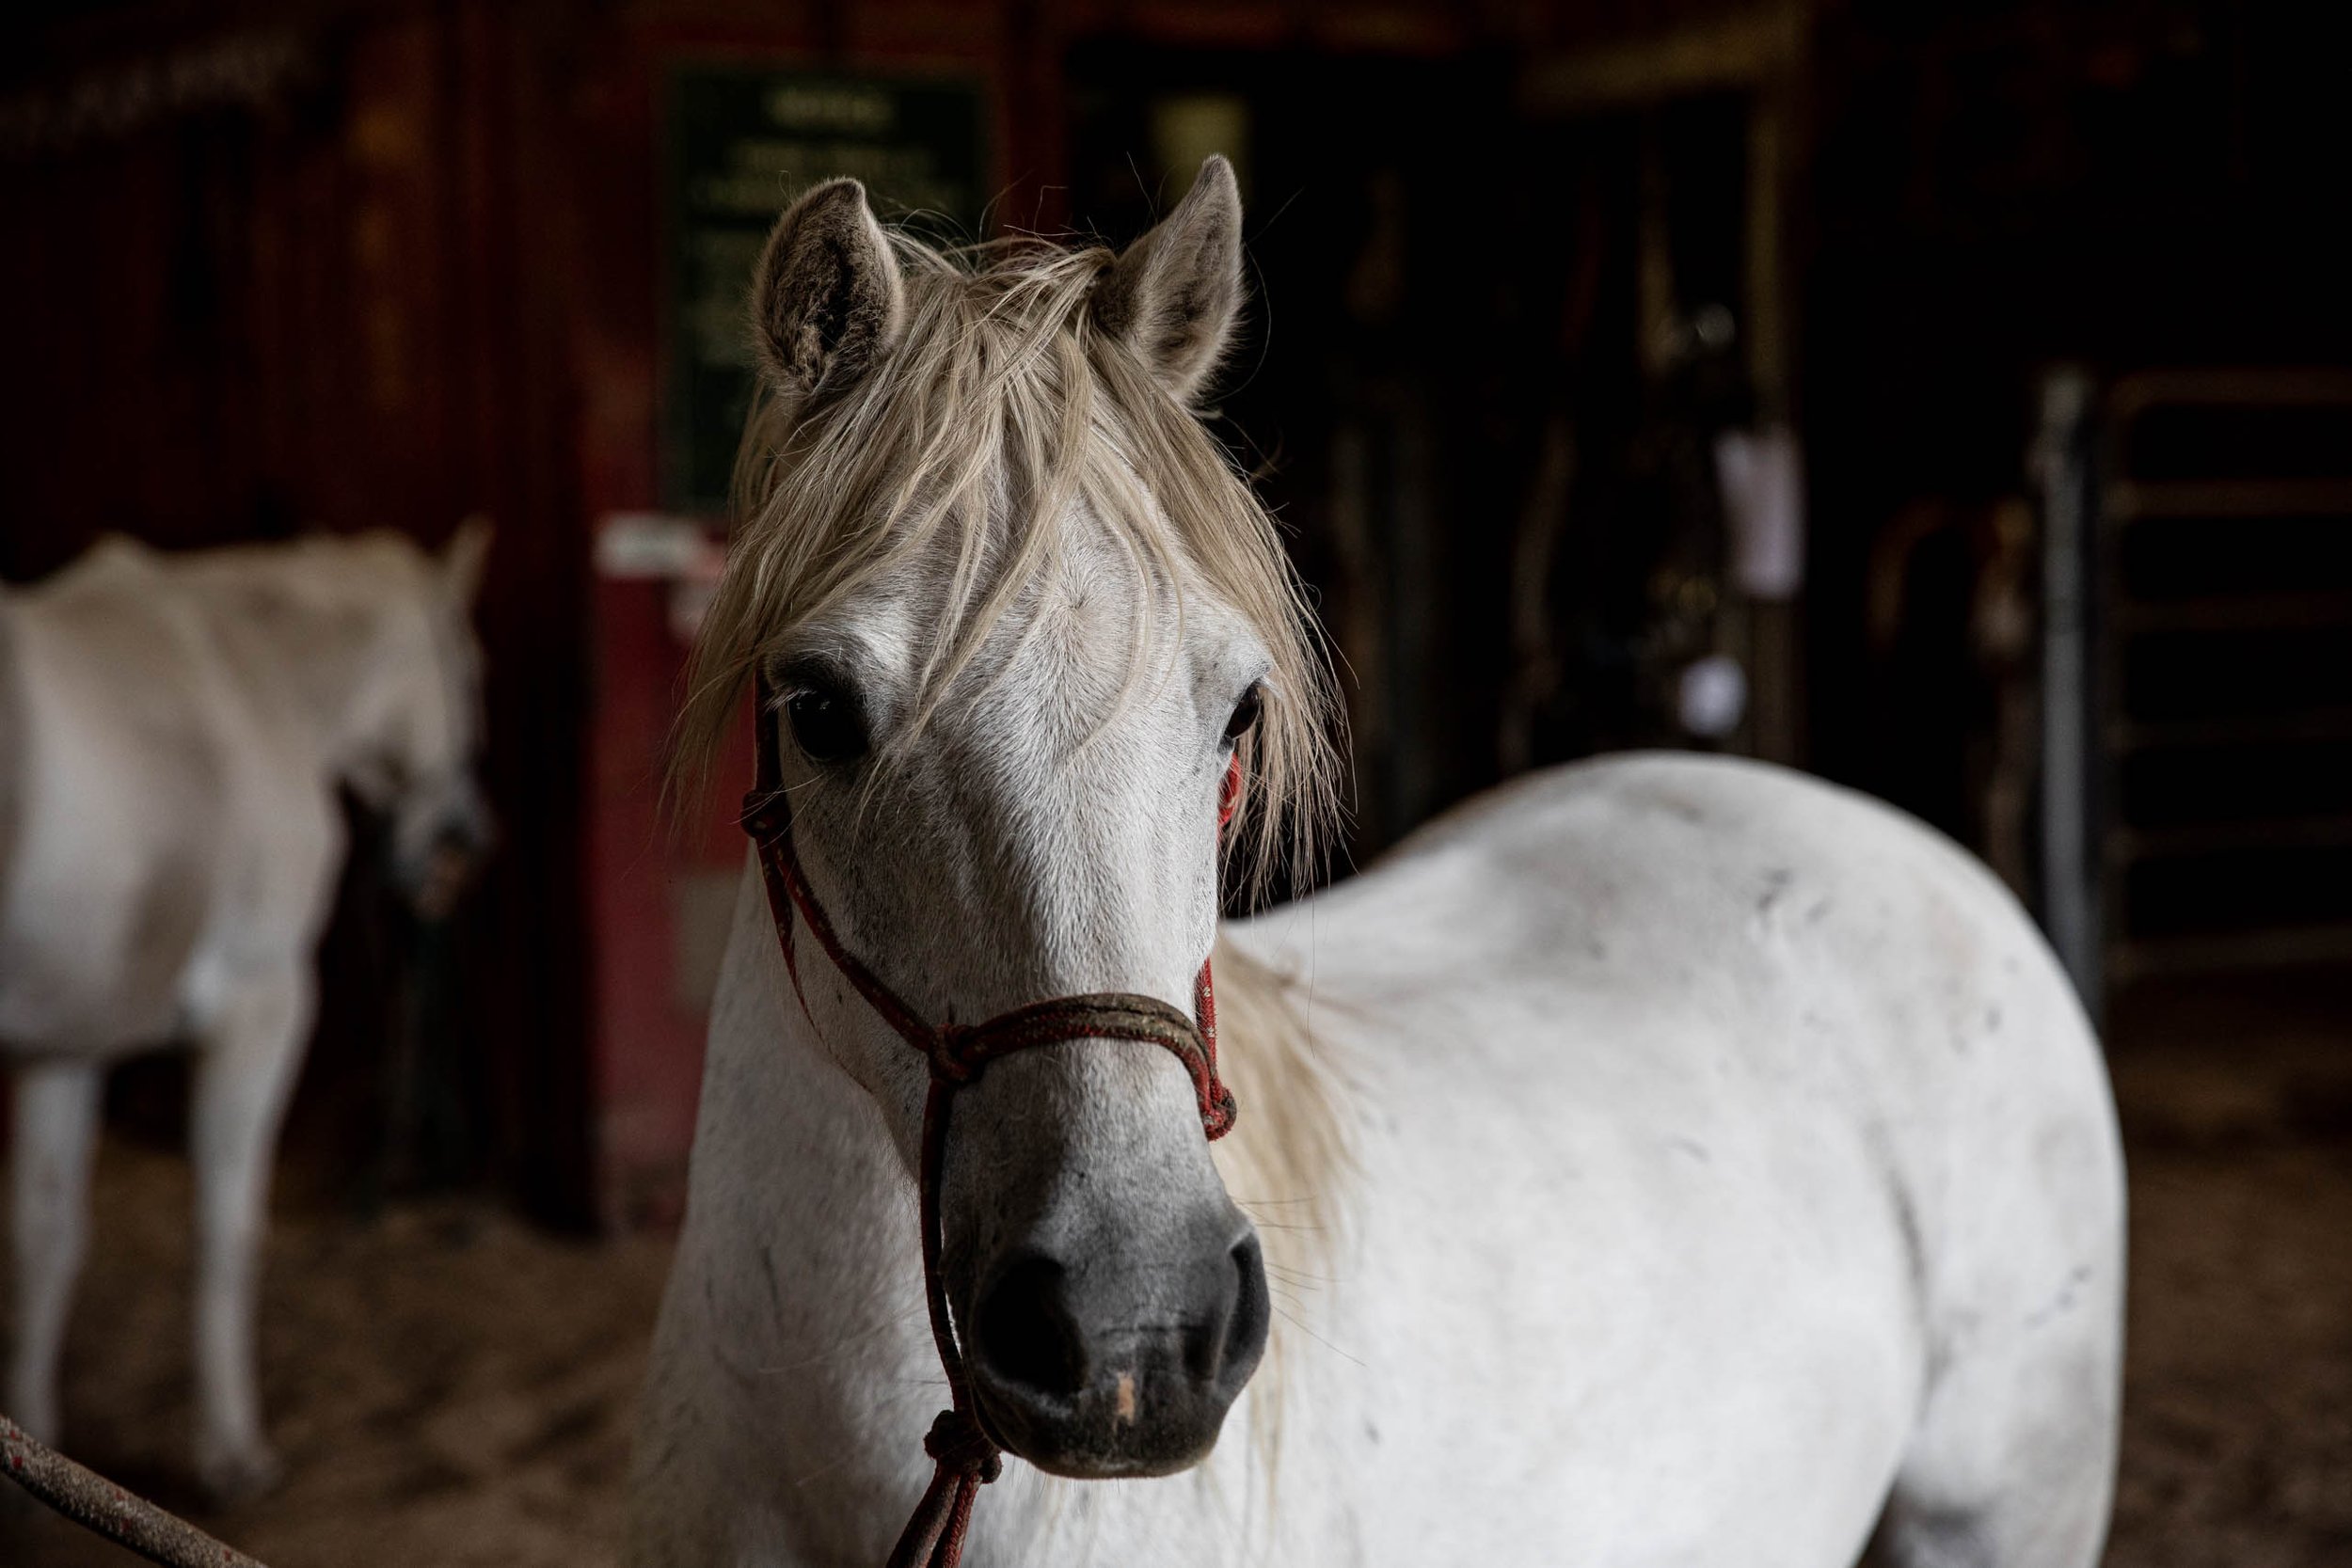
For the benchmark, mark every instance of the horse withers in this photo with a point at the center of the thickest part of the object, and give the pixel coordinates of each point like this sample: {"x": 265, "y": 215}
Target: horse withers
{"x": 174, "y": 731}
{"x": 1660, "y": 1161}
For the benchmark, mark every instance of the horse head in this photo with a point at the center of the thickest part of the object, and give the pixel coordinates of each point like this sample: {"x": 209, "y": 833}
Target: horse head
{"x": 414, "y": 725}
{"x": 1022, "y": 622}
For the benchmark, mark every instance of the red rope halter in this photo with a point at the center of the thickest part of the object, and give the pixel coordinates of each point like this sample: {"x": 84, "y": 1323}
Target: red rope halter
{"x": 966, "y": 1456}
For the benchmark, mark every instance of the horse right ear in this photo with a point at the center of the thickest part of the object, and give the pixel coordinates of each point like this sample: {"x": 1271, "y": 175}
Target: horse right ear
{"x": 827, "y": 301}
{"x": 1174, "y": 296}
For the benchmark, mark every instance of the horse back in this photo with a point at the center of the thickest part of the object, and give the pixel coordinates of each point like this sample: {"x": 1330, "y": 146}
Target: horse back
{"x": 1832, "y": 956}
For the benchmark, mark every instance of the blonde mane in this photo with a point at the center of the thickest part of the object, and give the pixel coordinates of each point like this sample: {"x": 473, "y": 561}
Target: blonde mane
{"x": 1002, "y": 416}
{"x": 1283, "y": 1164}
{"x": 1283, "y": 1154}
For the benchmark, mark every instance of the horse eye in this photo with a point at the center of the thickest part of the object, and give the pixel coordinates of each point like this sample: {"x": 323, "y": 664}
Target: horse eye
{"x": 1244, "y": 717}
{"x": 826, "y": 724}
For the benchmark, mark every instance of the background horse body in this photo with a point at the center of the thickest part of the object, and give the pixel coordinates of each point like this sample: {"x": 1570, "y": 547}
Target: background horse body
{"x": 1661, "y": 1161}
{"x": 173, "y": 732}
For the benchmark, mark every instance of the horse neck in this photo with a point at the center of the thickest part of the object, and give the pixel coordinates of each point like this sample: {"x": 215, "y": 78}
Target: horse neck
{"x": 790, "y": 1154}
{"x": 316, "y": 654}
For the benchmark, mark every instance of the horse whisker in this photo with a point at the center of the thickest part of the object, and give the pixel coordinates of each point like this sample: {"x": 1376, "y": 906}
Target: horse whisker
{"x": 1295, "y": 1323}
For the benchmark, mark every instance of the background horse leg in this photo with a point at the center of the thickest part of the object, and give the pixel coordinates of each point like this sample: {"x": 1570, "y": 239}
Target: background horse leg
{"x": 243, "y": 1072}
{"x": 56, "y": 1124}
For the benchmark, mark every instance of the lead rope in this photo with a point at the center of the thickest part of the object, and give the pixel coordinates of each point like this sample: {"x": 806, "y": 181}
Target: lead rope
{"x": 98, "y": 1505}
{"x": 964, "y": 1456}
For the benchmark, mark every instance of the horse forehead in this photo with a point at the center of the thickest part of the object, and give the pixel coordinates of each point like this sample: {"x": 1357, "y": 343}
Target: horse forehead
{"x": 1090, "y": 624}
{"x": 1104, "y": 666}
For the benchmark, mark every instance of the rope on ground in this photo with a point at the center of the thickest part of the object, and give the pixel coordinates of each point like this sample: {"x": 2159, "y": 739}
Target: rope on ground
{"x": 95, "y": 1503}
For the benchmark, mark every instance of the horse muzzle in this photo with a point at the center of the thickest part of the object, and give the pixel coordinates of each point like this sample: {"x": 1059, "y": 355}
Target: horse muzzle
{"x": 1088, "y": 1365}
{"x": 438, "y": 851}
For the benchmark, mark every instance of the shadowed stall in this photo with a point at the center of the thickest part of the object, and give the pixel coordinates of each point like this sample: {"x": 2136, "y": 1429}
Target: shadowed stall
{"x": 1947, "y": 401}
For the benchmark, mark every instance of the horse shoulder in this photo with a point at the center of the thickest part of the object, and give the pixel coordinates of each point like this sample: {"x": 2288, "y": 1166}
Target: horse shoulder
{"x": 282, "y": 836}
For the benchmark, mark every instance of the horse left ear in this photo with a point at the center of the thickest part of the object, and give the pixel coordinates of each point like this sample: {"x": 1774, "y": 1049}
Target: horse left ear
{"x": 1174, "y": 294}
{"x": 827, "y": 301}
{"x": 466, "y": 557}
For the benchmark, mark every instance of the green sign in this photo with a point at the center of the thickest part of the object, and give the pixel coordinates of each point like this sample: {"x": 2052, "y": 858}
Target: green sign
{"x": 742, "y": 142}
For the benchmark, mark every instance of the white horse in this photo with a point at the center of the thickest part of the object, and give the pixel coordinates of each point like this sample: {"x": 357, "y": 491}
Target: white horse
{"x": 173, "y": 731}
{"x": 1660, "y": 1161}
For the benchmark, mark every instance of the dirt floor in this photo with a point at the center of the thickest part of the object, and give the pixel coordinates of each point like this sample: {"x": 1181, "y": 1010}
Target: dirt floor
{"x": 450, "y": 1388}
{"x": 2237, "y": 1415}
{"x": 447, "y": 1387}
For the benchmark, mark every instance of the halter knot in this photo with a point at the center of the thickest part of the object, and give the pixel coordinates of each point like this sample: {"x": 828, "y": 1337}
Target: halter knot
{"x": 955, "y": 1054}
{"x": 957, "y": 1442}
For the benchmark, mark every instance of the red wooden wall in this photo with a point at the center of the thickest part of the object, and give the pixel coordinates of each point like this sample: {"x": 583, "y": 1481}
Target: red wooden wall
{"x": 412, "y": 276}
{"x": 323, "y": 303}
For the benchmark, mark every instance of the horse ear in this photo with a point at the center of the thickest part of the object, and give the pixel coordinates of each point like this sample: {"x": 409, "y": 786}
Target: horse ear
{"x": 826, "y": 301}
{"x": 466, "y": 557}
{"x": 1174, "y": 294}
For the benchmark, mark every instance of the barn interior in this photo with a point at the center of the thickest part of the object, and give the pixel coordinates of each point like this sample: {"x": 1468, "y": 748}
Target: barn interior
{"x": 1951, "y": 399}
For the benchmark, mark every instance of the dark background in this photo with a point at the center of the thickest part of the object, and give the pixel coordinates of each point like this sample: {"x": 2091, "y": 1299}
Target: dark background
{"x": 277, "y": 266}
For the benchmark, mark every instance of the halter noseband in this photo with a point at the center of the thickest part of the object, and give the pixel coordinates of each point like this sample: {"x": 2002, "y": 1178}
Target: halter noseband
{"x": 966, "y": 1456}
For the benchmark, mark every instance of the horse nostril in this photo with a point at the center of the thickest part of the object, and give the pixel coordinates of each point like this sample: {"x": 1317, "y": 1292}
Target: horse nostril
{"x": 1238, "y": 1339}
{"x": 1024, "y": 1332}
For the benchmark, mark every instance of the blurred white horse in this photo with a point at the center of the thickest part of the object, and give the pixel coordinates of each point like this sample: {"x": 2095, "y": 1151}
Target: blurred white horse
{"x": 173, "y": 732}
{"x": 1661, "y": 1161}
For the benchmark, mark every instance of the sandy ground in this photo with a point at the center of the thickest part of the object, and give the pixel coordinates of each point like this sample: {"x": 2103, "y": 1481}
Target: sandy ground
{"x": 450, "y": 1388}
{"x": 2237, "y": 1420}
